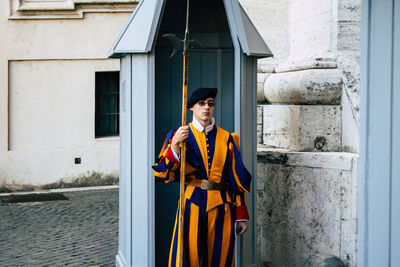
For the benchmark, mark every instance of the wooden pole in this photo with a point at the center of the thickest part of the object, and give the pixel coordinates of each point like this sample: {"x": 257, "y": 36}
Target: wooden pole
{"x": 183, "y": 144}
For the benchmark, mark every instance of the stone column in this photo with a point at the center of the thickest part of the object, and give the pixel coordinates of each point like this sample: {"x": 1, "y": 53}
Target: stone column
{"x": 305, "y": 90}
{"x": 307, "y": 119}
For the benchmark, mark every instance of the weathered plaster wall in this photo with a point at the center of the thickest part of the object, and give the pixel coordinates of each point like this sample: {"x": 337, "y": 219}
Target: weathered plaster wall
{"x": 47, "y": 75}
{"x": 56, "y": 112}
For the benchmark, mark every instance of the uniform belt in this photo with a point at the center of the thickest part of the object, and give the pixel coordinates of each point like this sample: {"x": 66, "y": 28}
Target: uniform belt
{"x": 208, "y": 185}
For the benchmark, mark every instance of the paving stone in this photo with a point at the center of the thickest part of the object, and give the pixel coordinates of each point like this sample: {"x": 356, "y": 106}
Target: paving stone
{"x": 82, "y": 231}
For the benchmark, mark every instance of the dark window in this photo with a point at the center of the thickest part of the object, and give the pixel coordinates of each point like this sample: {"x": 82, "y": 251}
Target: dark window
{"x": 107, "y": 104}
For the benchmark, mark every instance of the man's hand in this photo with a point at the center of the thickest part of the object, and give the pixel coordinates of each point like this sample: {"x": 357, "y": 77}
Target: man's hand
{"x": 241, "y": 227}
{"x": 180, "y": 135}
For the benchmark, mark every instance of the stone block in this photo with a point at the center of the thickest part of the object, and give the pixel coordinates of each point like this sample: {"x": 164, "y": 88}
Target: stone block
{"x": 349, "y": 192}
{"x": 349, "y": 10}
{"x": 300, "y": 207}
{"x": 349, "y": 66}
{"x": 298, "y": 127}
{"x": 270, "y": 17}
{"x": 310, "y": 25}
{"x": 259, "y": 124}
{"x": 349, "y": 35}
{"x": 313, "y": 86}
{"x": 323, "y": 260}
{"x": 348, "y": 241}
{"x": 261, "y": 77}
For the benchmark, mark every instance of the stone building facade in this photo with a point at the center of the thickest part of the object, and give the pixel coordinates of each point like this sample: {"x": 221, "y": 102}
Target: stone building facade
{"x": 308, "y": 112}
{"x": 308, "y": 130}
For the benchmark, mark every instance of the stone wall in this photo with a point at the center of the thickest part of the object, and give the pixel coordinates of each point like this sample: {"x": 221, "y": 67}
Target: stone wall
{"x": 308, "y": 118}
{"x": 306, "y": 206}
{"x": 348, "y": 58}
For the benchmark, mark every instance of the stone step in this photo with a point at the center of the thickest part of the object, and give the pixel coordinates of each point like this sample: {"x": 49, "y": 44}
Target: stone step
{"x": 300, "y": 127}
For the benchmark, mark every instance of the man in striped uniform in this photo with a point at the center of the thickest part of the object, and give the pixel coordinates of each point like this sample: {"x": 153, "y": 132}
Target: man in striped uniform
{"x": 216, "y": 180}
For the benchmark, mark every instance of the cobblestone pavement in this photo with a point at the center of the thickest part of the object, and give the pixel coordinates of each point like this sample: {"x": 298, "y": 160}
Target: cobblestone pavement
{"x": 81, "y": 231}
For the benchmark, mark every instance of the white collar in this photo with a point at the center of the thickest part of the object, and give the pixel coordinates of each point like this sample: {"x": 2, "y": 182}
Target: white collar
{"x": 200, "y": 127}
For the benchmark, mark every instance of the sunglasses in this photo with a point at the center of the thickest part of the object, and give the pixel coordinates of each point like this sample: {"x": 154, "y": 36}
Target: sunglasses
{"x": 209, "y": 103}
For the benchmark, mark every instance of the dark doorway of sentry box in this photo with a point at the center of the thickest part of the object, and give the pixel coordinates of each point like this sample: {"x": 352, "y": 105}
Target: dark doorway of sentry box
{"x": 211, "y": 66}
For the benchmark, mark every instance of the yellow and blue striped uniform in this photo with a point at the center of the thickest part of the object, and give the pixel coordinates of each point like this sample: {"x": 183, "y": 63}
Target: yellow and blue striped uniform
{"x": 209, "y": 214}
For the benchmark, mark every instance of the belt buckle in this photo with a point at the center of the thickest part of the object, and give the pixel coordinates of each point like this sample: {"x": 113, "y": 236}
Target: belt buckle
{"x": 206, "y": 184}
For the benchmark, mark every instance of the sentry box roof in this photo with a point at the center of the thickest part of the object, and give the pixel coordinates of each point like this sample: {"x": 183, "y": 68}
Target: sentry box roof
{"x": 139, "y": 34}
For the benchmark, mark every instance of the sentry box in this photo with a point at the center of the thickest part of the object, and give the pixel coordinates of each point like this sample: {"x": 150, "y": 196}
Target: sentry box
{"x": 150, "y": 105}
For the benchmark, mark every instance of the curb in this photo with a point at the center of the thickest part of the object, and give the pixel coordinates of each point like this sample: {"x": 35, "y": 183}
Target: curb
{"x": 60, "y": 190}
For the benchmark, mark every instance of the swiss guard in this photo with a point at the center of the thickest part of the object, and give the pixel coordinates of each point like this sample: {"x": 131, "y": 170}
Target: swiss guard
{"x": 215, "y": 182}
{"x": 213, "y": 179}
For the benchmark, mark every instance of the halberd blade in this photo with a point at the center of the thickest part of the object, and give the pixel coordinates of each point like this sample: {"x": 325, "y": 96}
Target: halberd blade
{"x": 176, "y": 43}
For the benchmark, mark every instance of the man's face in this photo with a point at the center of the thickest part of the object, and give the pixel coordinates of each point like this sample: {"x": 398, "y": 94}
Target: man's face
{"x": 203, "y": 111}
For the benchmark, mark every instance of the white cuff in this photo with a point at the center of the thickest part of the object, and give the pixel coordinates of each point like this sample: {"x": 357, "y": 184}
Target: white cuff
{"x": 176, "y": 156}
{"x": 242, "y": 220}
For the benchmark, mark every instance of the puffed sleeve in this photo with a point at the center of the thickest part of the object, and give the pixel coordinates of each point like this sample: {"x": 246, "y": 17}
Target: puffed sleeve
{"x": 239, "y": 177}
{"x": 166, "y": 166}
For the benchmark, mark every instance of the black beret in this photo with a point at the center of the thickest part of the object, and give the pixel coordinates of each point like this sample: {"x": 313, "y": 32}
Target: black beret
{"x": 201, "y": 94}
